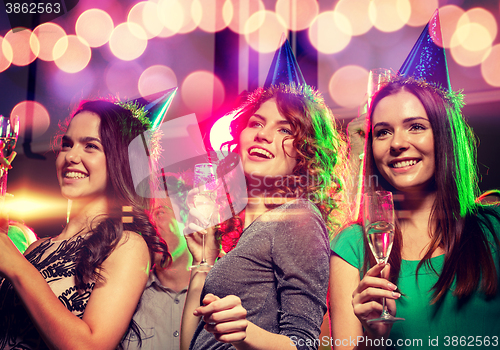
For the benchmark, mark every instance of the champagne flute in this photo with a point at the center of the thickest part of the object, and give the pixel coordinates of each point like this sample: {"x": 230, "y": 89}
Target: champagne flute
{"x": 204, "y": 200}
{"x": 376, "y": 78}
{"x": 9, "y": 131}
{"x": 379, "y": 229}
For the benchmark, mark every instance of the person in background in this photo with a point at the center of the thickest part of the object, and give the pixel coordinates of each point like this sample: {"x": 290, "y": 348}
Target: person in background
{"x": 160, "y": 308}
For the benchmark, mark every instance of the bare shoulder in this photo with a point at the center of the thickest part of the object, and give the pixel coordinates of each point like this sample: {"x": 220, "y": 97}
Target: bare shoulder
{"x": 36, "y": 244}
{"x": 131, "y": 248}
{"x": 132, "y": 240}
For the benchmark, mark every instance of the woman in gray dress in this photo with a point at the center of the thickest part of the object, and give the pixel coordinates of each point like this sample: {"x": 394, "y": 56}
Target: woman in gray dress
{"x": 270, "y": 288}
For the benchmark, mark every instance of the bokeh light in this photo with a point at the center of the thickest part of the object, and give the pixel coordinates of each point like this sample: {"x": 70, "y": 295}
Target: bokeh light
{"x": 122, "y": 78}
{"x": 389, "y": 15}
{"x": 347, "y": 86}
{"x": 264, "y": 30}
{"x": 202, "y": 91}
{"x": 128, "y": 41}
{"x": 329, "y": 33}
{"x": 478, "y": 28}
{"x": 449, "y": 16}
{"x": 241, "y": 11}
{"x": 490, "y": 67}
{"x": 297, "y": 14}
{"x": 189, "y": 23}
{"x": 421, "y": 12}
{"x": 465, "y": 57}
{"x": 472, "y": 36}
{"x": 6, "y": 54}
{"x": 45, "y": 36}
{"x": 357, "y": 14}
{"x": 471, "y": 43}
{"x": 155, "y": 79}
{"x": 145, "y": 14}
{"x": 95, "y": 26}
{"x": 21, "y": 48}
{"x": 172, "y": 15}
{"x": 75, "y": 57}
{"x": 71, "y": 88}
{"x": 30, "y": 204}
{"x": 208, "y": 15}
{"x": 219, "y": 133}
{"x": 34, "y": 114}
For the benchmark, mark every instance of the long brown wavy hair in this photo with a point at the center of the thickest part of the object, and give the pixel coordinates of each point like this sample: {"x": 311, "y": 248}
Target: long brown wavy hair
{"x": 321, "y": 148}
{"x": 118, "y": 127}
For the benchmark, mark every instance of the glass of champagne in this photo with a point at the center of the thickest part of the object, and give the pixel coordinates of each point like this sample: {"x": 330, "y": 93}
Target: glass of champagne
{"x": 205, "y": 200}
{"x": 9, "y": 131}
{"x": 379, "y": 229}
{"x": 376, "y": 78}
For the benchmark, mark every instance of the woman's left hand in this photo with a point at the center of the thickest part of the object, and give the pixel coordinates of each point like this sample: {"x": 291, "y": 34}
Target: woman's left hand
{"x": 225, "y": 318}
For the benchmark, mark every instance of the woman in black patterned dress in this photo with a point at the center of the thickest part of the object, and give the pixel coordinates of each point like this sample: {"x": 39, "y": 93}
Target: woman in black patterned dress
{"x": 80, "y": 289}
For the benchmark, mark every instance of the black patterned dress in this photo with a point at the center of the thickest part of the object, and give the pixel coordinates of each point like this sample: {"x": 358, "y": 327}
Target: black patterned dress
{"x": 56, "y": 261}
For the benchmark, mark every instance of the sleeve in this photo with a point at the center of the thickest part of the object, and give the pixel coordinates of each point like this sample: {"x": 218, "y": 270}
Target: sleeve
{"x": 301, "y": 255}
{"x": 348, "y": 244}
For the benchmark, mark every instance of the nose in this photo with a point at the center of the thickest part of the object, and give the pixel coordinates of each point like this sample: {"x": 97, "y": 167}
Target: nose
{"x": 73, "y": 155}
{"x": 399, "y": 142}
{"x": 264, "y": 135}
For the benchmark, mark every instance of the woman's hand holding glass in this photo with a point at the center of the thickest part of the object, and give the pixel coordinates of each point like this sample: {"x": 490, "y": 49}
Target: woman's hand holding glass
{"x": 225, "y": 318}
{"x": 367, "y": 299}
{"x": 200, "y": 233}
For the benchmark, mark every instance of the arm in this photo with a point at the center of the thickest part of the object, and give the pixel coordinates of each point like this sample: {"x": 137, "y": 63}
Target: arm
{"x": 193, "y": 234}
{"x": 190, "y": 320}
{"x": 226, "y": 319}
{"x": 344, "y": 279}
{"x": 349, "y": 311}
{"x": 110, "y": 307}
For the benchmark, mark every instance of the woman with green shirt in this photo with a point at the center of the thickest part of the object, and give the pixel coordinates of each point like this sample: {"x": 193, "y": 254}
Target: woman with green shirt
{"x": 443, "y": 271}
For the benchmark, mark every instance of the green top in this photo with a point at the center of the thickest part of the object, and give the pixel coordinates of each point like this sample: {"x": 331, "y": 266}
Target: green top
{"x": 18, "y": 237}
{"x": 476, "y": 324}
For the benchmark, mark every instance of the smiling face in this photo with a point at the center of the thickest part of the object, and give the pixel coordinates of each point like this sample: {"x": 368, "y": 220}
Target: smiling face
{"x": 81, "y": 163}
{"x": 262, "y": 142}
{"x": 403, "y": 142}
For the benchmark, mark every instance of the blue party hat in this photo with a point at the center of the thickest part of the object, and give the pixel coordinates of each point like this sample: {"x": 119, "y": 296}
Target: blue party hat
{"x": 427, "y": 58}
{"x": 284, "y": 68}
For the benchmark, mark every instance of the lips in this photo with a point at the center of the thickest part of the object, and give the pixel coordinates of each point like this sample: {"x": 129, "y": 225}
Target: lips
{"x": 396, "y": 164}
{"x": 260, "y": 152}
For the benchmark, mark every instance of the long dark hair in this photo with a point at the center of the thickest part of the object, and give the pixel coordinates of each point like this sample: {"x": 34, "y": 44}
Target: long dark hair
{"x": 453, "y": 220}
{"x": 118, "y": 127}
{"x": 321, "y": 149}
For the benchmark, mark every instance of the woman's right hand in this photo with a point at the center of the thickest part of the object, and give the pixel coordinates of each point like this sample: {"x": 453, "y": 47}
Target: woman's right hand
{"x": 367, "y": 299}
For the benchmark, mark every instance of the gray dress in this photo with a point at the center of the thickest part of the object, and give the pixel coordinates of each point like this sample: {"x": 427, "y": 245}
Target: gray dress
{"x": 279, "y": 269}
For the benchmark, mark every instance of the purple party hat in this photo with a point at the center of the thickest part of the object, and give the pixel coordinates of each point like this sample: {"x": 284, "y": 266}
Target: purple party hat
{"x": 284, "y": 68}
{"x": 427, "y": 58}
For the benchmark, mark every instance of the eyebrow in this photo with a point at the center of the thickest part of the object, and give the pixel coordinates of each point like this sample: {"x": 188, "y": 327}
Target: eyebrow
{"x": 83, "y": 139}
{"x": 281, "y": 122}
{"x": 406, "y": 120}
